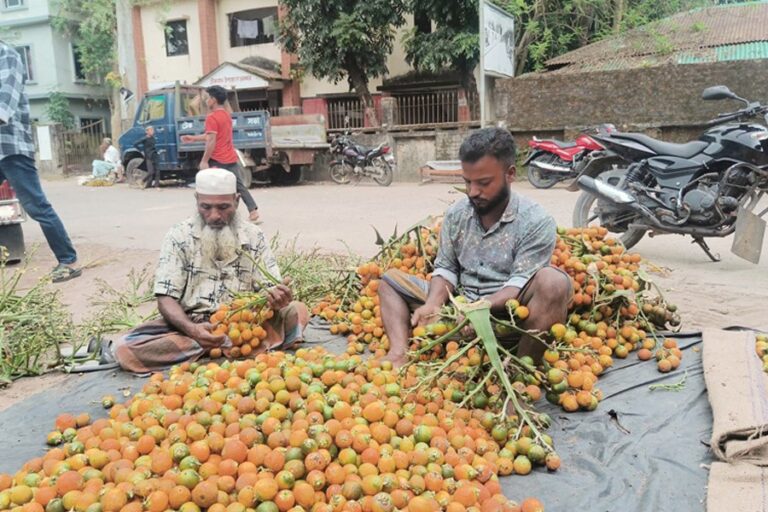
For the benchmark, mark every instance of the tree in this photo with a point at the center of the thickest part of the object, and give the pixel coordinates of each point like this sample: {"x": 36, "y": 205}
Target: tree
{"x": 338, "y": 38}
{"x": 548, "y": 28}
{"x": 92, "y": 27}
{"x": 58, "y": 110}
{"x": 453, "y": 44}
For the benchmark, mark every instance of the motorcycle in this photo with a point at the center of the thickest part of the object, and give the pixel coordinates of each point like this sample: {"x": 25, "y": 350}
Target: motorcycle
{"x": 551, "y": 161}
{"x": 353, "y": 161}
{"x": 709, "y": 187}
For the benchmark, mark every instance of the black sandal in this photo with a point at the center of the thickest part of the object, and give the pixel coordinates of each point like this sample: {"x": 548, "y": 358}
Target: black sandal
{"x": 64, "y": 273}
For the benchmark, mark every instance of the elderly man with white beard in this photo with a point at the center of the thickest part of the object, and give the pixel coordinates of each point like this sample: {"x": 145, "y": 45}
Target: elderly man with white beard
{"x": 204, "y": 260}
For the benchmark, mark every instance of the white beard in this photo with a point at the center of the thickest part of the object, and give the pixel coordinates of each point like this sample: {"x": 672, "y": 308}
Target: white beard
{"x": 218, "y": 245}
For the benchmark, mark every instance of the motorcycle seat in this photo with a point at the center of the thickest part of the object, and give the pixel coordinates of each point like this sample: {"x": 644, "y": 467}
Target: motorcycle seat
{"x": 559, "y": 143}
{"x": 362, "y": 150}
{"x": 686, "y": 150}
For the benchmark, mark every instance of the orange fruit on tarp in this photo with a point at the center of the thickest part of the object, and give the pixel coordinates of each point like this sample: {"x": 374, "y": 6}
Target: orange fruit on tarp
{"x": 114, "y": 500}
{"x": 69, "y": 481}
{"x": 157, "y": 502}
{"x": 43, "y": 495}
{"x": 65, "y": 421}
{"x": 531, "y": 505}
{"x": 205, "y": 494}
{"x": 235, "y": 449}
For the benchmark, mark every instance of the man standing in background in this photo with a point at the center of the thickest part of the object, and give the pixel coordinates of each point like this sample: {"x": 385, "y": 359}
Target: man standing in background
{"x": 219, "y": 148}
{"x": 17, "y": 163}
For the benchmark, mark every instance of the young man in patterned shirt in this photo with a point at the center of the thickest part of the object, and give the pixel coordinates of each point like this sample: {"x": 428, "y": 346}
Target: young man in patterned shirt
{"x": 494, "y": 245}
{"x": 17, "y": 163}
{"x": 204, "y": 260}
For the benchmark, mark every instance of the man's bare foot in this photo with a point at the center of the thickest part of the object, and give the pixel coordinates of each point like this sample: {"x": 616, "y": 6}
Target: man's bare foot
{"x": 253, "y": 216}
{"x": 397, "y": 360}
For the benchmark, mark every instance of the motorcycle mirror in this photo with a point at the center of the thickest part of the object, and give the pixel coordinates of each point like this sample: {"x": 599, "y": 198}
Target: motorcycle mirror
{"x": 719, "y": 92}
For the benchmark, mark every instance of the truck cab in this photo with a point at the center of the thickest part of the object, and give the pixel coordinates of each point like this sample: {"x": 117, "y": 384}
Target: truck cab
{"x": 181, "y": 110}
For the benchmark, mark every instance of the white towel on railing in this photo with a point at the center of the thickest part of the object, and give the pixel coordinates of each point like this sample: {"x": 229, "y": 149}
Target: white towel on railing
{"x": 248, "y": 29}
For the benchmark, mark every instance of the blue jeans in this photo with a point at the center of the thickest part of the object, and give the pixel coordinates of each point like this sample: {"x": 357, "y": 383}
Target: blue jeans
{"x": 21, "y": 173}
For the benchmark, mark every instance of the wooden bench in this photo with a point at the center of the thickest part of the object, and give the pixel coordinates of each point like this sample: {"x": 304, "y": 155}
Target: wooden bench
{"x": 448, "y": 171}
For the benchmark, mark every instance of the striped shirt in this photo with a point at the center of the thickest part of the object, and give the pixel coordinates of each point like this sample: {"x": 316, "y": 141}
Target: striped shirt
{"x": 480, "y": 262}
{"x": 15, "y": 129}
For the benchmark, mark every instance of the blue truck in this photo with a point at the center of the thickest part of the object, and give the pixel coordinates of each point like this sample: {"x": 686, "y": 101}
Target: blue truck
{"x": 277, "y": 150}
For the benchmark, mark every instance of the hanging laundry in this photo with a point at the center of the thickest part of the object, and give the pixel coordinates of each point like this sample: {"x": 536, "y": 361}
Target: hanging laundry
{"x": 248, "y": 29}
{"x": 270, "y": 25}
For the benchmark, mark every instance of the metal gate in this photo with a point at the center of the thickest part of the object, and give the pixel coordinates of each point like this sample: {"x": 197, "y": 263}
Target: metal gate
{"x": 82, "y": 147}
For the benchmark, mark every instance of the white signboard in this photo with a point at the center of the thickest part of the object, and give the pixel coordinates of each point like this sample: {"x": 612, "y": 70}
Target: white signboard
{"x": 229, "y": 77}
{"x": 44, "y": 142}
{"x": 498, "y": 41}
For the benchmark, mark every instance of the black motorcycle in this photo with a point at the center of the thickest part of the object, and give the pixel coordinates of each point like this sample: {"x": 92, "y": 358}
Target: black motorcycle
{"x": 353, "y": 161}
{"x": 709, "y": 187}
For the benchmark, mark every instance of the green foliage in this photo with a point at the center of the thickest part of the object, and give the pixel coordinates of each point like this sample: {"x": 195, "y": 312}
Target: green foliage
{"x": 454, "y": 42}
{"x": 698, "y": 27}
{"x": 335, "y": 39}
{"x": 548, "y": 28}
{"x": 92, "y": 26}
{"x": 58, "y": 110}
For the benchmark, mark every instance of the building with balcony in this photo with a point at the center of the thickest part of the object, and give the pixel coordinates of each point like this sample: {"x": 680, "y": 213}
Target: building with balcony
{"x": 234, "y": 43}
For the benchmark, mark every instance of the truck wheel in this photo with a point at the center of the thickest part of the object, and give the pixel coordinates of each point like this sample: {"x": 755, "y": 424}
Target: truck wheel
{"x": 278, "y": 175}
{"x": 294, "y": 176}
{"x": 134, "y": 174}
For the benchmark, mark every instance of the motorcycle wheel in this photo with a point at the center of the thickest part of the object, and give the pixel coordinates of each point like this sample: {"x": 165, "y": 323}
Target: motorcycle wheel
{"x": 585, "y": 216}
{"x": 540, "y": 178}
{"x": 386, "y": 179}
{"x": 340, "y": 172}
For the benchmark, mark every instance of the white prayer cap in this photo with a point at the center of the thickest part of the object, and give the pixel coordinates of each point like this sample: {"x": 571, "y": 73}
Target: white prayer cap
{"x": 215, "y": 182}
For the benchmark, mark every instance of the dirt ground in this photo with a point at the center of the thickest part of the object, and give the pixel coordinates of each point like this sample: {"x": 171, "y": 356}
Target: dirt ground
{"x": 116, "y": 229}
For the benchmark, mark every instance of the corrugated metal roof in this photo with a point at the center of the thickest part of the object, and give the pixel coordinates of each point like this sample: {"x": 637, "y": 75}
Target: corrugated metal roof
{"x": 745, "y": 51}
{"x": 728, "y": 32}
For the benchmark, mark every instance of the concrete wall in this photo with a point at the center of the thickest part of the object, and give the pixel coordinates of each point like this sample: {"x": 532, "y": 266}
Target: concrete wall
{"x": 658, "y": 97}
{"x": 162, "y": 69}
{"x": 412, "y": 150}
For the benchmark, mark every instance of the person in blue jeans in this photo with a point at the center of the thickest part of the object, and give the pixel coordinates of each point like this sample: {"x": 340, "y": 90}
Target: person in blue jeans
{"x": 17, "y": 163}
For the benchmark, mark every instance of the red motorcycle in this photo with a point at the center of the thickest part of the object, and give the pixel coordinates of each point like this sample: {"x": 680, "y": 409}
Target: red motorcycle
{"x": 551, "y": 161}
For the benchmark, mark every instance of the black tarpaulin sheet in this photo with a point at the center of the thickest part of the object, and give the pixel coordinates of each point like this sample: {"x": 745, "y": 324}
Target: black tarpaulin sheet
{"x": 641, "y": 450}
{"x": 648, "y": 456}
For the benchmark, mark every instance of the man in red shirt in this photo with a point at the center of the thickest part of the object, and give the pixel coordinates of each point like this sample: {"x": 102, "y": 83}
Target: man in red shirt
{"x": 219, "y": 149}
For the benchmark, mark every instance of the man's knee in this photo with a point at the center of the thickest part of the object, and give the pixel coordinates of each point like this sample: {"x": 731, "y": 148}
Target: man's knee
{"x": 552, "y": 286}
{"x": 384, "y": 282}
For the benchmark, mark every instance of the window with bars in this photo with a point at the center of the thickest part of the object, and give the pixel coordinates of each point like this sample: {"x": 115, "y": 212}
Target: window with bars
{"x": 254, "y": 26}
{"x": 26, "y": 60}
{"x": 77, "y": 63}
{"x": 176, "y": 42}
{"x": 343, "y": 108}
{"x": 13, "y": 4}
{"x": 92, "y": 125}
{"x": 438, "y": 107}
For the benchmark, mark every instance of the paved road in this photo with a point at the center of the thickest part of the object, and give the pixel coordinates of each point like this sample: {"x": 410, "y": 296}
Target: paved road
{"x": 129, "y": 225}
